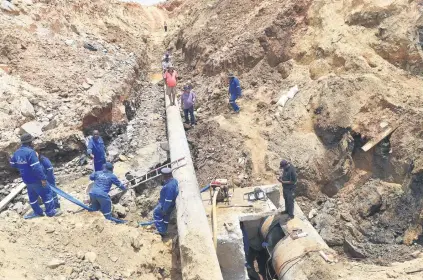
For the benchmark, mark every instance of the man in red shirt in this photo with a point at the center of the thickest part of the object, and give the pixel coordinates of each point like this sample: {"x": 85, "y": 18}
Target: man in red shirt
{"x": 170, "y": 77}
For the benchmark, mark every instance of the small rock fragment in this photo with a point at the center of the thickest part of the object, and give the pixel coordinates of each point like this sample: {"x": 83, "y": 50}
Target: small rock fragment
{"x": 90, "y": 256}
{"x": 54, "y": 263}
{"x": 312, "y": 213}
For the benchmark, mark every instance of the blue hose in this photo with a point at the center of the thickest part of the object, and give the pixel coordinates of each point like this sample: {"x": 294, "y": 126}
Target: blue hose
{"x": 205, "y": 188}
{"x": 79, "y": 203}
{"x": 146, "y": 223}
{"x": 70, "y": 198}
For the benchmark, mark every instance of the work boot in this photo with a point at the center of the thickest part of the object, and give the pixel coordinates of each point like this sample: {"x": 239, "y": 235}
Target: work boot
{"x": 32, "y": 216}
{"x": 58, "y": 213}
{"x": 160, "y": 233}
{"x": 284, "y": 212}
{"x": 291, "y": 217}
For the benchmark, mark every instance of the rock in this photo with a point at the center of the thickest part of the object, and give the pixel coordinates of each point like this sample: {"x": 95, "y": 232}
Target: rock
{"x": 26, "y": 108}
{"x": 90, "y": 256}
{"x": 33, "y": 127}
{"x": 114, "y": 259}
{"x": 135, "y": 243}
{"x": 89, "y": 81}
{"x": 19, "y": 207}
{"x": 5, "y": 68}
{"x": 80, "y": 255}
{"x": 391, "y": 274}
{"x": 119, "y": 210}
{"x": 69, "y": 42}
{"x": 414, "y": 269}
{"x": 368, "y": 201}
{"x": 416, "y": 254}
{"x": 8, "y": 7}
{"x": 86, "y": 85}
{"x": 353, "y": 251}
{"x": 54, "y": 263}
{"x": 98, "y": 274}
{"x": 312, "y": 213}
{"x": 51, "y": 125}
{"x": 68, "y": 270}
{"x": 123, "y": 158}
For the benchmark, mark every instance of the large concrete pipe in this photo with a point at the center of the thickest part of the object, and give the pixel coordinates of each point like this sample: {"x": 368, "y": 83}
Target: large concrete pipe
{"x": 198, "y": 255}
{"x": 296, "y": 258}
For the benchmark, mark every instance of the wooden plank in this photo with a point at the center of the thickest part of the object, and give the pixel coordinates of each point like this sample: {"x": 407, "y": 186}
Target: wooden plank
{"x": 376, "y": 140}
{"x": 11, "y": 196}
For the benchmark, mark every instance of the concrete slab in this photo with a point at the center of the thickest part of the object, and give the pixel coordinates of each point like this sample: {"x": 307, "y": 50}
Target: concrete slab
{"x": 230, "y": 246}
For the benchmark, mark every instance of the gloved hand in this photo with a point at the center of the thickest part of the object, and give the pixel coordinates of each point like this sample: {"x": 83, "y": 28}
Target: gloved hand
{"x": 44, "y": 183}
{"x": 264, "y": 245}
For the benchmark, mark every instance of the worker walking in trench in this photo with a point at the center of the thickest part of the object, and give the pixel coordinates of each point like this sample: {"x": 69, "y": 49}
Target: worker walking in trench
{"x": 25, "y": 159}
{"x": 99, "y": 193}
{"x": 167, "y": 202}
{"x": 187, "y": 102}
{"x": 234, "y": 91}
{"x": 97, "y": 151}
{"x": 166, "y": 64}
{"x": 170, "y": 77}
{"x": 288, "y": 179}
{"x": 51, "y": 179}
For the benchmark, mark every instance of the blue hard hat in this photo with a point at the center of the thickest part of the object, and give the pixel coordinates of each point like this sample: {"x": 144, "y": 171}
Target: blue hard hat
{"x": 108, "y": 166}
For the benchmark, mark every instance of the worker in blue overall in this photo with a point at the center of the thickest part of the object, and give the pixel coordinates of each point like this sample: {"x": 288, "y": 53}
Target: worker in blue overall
{"x": 97, "y": 151}
{"x": 234, "y": 91}
{"x": 99, "y": 193}
{"x": 25, "y": 159}
{"x": 51, "y": 179}
{"x": 167, "y": 202}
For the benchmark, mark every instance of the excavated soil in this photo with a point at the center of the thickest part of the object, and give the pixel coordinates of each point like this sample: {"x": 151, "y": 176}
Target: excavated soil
{"x": 357, "y": 65}
{"x": 64, "y": 90}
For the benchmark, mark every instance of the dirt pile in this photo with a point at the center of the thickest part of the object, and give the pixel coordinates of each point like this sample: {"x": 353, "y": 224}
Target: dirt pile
{"x": 357, "y": 66}
{"x": 102, "y": 250}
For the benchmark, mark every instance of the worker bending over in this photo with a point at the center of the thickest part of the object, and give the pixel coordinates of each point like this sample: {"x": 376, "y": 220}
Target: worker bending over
{"x": 288, "y": 179}
{"x": 234, "y": 91}
{"x": 97, "y": 151}
{"x": 167, "y": 200}
{"x": 25, "y": 159}
{"x": 51, "y": 179}
{"x": 99, "y": 193}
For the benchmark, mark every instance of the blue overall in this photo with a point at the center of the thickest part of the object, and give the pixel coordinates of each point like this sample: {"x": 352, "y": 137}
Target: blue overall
{"x": 235, "y": 92}
{"x": 96, "y": 147}
{"x": 51, "y": 179}
{"x": 99, "y": 194}
{"x": 25, "y": 159}
{"x": 166, "y": 204}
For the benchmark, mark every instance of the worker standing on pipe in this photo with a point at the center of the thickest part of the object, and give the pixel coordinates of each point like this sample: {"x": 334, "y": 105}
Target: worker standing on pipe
{"x": 170, "y": 76}
{"x": 26, "y": 160}
{"x": 51, "y": 179}
{"x": 97, "y": 151}
{"x": 288, "y": 179}
{"x": 99, "y": 193}
{"x": 187, "y": 103}
{"x": 167, "y": 202}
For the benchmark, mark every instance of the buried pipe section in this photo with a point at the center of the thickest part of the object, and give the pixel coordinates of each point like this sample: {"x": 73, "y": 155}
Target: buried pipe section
{"x": 198, "y": 255}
